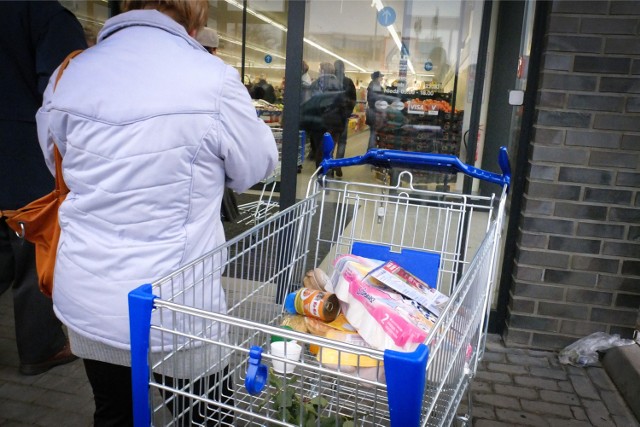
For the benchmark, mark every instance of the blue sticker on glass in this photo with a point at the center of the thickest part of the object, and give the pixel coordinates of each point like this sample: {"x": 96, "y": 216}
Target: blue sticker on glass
{"x": 428, "y": 66}
{"x": 268, "y": 59}
{"x": 403, "y": 50}
{"x": 386, "y": 16}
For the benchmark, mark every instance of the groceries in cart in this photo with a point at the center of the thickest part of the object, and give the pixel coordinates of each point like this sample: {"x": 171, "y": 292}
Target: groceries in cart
{"x": 367, "y": 303}
{"x": 314, "y": 303}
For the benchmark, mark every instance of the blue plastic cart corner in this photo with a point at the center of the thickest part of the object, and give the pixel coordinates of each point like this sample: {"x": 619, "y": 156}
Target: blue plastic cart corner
{"x": 406, "y": 373}
{"x": 140, "y": 307}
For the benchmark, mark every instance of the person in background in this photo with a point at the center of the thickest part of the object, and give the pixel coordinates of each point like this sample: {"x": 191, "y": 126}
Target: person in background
{"x": 264, "y": 90}
{"x": 326, "y": 91}
{"x": 35, "y": 37}
{"x": 350, "y": 102}
{"x": 373, "y": 90}
{"x": 208, "y": 38}
{"x": 147, "y": 153}
{"x": 305, "y": 95}
{"x": 90, "y": 34}
{"x": 306, "y": 83}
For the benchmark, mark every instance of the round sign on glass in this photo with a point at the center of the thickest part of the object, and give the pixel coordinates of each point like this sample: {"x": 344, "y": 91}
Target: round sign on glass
{"x": 386, "y": 16}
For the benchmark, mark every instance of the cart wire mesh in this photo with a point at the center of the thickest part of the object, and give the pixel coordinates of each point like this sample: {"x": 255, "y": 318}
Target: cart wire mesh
{"x": 197, "y": 332}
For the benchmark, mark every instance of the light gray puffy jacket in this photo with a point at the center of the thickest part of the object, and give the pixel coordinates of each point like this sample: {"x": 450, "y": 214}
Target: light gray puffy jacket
{"x": 150, "y": 127}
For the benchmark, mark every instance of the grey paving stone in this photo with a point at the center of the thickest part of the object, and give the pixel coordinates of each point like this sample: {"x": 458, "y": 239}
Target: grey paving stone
{"x": 22, "y": 412}
{"x": 491, "y": 423}
{"x": 59, "y": 382}
{"x": 521, "y": 418}
{"x": 9, "y": 423}
{"x": 494, "y": 357}
{"x": 555, "y": 373}
{"x": 566, "y": 386}
{"x": 574, "y": 370}
{"x": 621, "y": 421}
{"x": 480, "y": 386}
{"x": 543, "y": 353}
{"x": 614, "y": 403}
{"x": 560, "y": 397}
{"x": 547, "y": 408}
{"x": 497, "y": 400}
{"x": 497, "y": 377}
{"x": 556, "y": 422}
{"x": 10, "y": 374}
{"x": 598, "y": 413}
{"x": 600, "y": 378}
{"x": 538, "y": 383}
{"x": 584, "y": 387}
{"x": 515, "y": 391}
{"x": 19, "y": 392}
{"x": 579, "y": 413}
{"x": 506, "y": 368}
{"x": 483, "y": 412}
{"x": 528, "y": 360}
{"x": 56, "y": 418}
{"x": 66, "y": 401}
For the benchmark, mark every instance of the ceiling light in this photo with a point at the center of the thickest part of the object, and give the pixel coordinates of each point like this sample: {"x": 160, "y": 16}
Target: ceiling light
{"x": 284, "y": 29}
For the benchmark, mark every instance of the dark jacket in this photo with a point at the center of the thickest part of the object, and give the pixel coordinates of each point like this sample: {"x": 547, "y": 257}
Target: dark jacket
{"x": 350, "y": 95}
{"x": 34, "y": 39}
{"x": 265, "y": 90}
{"x": 325, "y": 110}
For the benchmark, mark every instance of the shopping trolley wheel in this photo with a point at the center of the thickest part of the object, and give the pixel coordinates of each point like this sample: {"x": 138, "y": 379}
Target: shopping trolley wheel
{"x": 257, "y": 372}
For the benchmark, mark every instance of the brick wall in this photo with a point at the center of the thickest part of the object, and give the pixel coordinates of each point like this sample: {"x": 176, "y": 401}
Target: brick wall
{"x": 577, "y": 266}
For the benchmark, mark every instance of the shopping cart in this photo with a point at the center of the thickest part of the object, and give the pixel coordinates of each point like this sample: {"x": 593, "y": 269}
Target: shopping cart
{"x": 267, "y": 204}
{"x": 194, "y": 364}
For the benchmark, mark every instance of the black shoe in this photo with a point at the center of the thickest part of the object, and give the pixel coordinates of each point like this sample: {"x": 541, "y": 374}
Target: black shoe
{"x": 62, "y": 357}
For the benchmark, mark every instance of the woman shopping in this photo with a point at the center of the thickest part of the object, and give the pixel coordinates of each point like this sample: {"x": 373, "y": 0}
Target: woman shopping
{"x": 150, "y": 127}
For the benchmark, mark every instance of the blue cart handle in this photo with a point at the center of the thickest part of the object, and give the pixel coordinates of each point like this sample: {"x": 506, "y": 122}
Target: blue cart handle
{"x": 426, "y": 161}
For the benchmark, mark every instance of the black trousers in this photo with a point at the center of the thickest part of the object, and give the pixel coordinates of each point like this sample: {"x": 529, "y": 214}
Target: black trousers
{"x": 39, "y": 333}
{"x": 112, "y": 393}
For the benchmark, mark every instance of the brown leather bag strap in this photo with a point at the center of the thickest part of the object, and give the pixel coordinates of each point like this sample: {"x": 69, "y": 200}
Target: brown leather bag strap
{"x": 61, "y": 186}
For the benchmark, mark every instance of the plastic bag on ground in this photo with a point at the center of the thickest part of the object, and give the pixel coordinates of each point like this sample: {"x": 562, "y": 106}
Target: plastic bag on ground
{"x": 584, "y": 352}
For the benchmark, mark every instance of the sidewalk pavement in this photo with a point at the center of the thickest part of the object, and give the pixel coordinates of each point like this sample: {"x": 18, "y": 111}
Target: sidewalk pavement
{"x": 513, "y": 387}
{"x": 517, "y": 387}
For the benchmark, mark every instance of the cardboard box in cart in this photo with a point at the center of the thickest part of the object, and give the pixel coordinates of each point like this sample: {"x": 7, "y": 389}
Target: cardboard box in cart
{"x": 391, "y": 274}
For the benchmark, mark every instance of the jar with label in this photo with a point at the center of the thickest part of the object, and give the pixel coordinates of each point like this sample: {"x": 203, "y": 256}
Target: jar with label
{"x": 321, "y": 305}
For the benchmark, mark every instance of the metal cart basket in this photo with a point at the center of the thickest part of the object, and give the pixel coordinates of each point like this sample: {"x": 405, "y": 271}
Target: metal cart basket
{"x": 256, "y": 211}
{"x": 200, "y": 336}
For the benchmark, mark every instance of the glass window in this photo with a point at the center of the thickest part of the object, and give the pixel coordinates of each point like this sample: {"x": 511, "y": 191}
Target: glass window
{"x": 425, "y": 54}
{"x": 91, "y": 14}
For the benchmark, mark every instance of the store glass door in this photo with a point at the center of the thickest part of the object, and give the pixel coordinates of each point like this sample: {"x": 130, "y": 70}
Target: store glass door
{"x": 423, "y": 54}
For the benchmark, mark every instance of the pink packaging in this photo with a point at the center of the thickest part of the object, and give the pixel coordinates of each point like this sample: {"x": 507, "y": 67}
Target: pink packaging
{"x": 383, "y": 318}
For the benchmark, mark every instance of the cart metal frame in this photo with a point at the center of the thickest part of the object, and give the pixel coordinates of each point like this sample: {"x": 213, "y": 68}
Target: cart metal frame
{"x": 255, "y": 270}
{"x": 257, "y": 211}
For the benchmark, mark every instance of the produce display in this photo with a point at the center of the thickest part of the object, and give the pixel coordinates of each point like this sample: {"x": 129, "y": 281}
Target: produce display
{"x": 419, "y": 121}
{"x": 271, "y": 114}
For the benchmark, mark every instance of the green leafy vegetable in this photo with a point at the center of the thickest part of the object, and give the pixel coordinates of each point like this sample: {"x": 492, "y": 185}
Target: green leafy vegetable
{"x": 295, "y": 410}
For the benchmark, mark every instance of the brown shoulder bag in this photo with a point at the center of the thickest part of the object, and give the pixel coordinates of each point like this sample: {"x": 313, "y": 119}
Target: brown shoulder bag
{"x": 38, "y": 221}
